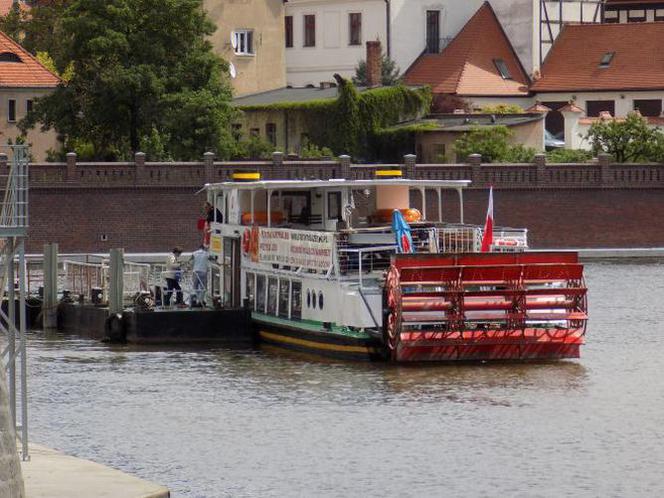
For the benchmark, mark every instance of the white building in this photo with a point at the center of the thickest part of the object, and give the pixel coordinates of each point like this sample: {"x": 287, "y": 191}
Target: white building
{"x": 326, "y": 37}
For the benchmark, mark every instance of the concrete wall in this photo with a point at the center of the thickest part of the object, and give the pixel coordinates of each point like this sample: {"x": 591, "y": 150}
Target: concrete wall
{"x": 41, "y": 141}
{"x": 265, "y": 69}
{"x": 332, "y": 53}
{"x": 11, "y": 481}
{"x": 154, "y": 206}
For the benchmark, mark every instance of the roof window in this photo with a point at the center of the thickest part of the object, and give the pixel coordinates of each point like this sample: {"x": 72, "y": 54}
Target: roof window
{"x": 606, "y": 59}
{"x": 9, "y": 57}
{"x": 502, "y": 69}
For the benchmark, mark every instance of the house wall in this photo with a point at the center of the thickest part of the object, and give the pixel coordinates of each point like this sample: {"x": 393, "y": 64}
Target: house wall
{"x": 574, "y": 131}
{"x": 428, "y": 144}
{"x": 291, "y": 127}
{"x": 265, "y": 69}
{"x": 40, "y": 141}
{"x": 332, "y": 53}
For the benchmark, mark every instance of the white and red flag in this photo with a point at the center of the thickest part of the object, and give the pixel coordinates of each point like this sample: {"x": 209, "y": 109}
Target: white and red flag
{"x": 487, "y": 237}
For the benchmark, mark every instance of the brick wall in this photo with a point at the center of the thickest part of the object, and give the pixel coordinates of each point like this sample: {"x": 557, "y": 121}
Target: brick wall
{"x": 144, "y": 206}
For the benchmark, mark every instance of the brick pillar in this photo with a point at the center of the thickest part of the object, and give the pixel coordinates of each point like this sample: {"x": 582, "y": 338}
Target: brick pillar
{"x": 475, "y": 161}
{"x": 277, "y": 169}
{"x": 604, "y": 167}
{"x": 139, "y": 161}
{"x": 71, "y": 167}
{"x": 374, "y": 64}
{"x": 344, "y": 162}
{"x": 540, "y": 164}
{"x": 409, "y": 162}
{"x": 208, "y": 161}
{"x": 11, "y": 480}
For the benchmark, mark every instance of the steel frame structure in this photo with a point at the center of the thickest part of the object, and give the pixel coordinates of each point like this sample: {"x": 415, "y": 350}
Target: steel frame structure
{"x": 13, "y": 231}
{"x": 552, "y": 15}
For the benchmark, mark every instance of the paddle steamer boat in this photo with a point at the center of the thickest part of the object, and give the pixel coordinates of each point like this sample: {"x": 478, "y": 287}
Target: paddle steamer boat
{"x": 322, "y": 270}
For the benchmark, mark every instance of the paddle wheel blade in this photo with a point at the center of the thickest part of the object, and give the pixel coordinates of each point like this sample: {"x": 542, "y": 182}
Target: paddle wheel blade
{"x": 515, "y": 306}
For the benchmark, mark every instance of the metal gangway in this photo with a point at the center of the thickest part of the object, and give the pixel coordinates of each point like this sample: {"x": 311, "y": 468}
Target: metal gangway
{"x": 13, "y": 232}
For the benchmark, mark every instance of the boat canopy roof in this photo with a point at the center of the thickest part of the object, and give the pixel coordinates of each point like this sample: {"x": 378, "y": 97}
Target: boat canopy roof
{"x": 335, "y": 183}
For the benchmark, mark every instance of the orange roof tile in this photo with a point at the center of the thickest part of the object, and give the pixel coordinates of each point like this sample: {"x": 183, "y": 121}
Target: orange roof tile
{"x": 571, "y": 107}
{"x": 538, "y": 107}
{"x": 573, "y": 63}
{"x": 466, "y": 66}
{"x": 6, "y": 5}
{"x": 27, "y": 73}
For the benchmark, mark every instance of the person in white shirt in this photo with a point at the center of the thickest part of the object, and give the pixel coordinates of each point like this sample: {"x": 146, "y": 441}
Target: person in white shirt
{"x": 201, "y": 264}
{"x": 172, "y": 274}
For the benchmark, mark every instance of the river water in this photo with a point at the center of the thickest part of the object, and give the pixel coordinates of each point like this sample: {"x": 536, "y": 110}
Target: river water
{"x": 212, "y": 423}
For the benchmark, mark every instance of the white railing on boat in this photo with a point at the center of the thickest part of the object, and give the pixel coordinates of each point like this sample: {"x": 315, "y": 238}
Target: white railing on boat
{"x": 355, "y": 263}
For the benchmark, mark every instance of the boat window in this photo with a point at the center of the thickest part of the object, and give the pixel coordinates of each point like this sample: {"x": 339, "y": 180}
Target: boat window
{"x": 320, "y": 299}
{"x": 297, "y": 206}
{"x": 308, "y": 298}
{"x": 284, "y": 291}
{"x": 334, "y": 205}
{"x": 313, "y": 299}
{"x": 250, "y": 288}
{"x": 260, "y": 293}
{"x": 272, "y": 290}
{"x": 296, "y": 300}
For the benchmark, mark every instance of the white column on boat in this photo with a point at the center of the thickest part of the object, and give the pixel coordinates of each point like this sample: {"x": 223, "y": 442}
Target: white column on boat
{"x": 253, "y": 195}
{"x": 269, "y": 208}
{"x": 423, "y": 193}
{"x": 460, "y": 192}
{"x": 440, "y": 204}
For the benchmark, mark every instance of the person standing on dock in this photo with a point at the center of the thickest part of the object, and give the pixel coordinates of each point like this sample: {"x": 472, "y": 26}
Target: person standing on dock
{"x": 201, "y": 264}
{"x": 173, "y": 274}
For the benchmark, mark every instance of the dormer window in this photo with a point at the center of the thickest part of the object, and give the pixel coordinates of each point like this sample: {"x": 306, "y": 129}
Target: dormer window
{"x": 502, "y": 69}
{"x": 9, "y": 57}
{"x": 606, "y": 59}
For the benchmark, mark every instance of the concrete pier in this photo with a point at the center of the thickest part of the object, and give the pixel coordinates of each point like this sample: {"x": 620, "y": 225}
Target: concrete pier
{"x": 51, "y": 474}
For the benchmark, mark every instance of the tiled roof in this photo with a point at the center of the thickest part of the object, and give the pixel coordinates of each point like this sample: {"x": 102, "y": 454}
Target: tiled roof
{"x": 27, "y": 73}
{"x": 573, "y": 63}
{"x": 6, "y": 5}
{"x": 538, "y": 107}
{"x": 466, "y": 66}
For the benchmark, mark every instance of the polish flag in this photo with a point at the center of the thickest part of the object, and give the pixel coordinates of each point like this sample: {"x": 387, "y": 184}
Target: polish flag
{"x": 487, "y": 238}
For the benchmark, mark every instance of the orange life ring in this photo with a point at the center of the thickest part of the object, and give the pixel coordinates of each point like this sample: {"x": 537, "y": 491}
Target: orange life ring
{"x": 411, "y": 215}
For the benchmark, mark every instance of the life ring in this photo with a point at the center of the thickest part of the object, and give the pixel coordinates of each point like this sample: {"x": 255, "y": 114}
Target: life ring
{"x": 411, "y": 215}
{"x": 114, "y": 328}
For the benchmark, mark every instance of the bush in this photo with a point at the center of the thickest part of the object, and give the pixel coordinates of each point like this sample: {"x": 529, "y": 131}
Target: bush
{"x": 628, "y": 140}
{"x": 253, "y": 148}
{"x": 502, "y": 109}
{"x": 312, "y": 151}
{"x": 568, "y": 156}
{"x": 492, "y": 143}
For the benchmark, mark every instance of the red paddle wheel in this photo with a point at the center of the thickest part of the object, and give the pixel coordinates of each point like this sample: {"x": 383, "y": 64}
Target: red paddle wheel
{"x": 516, "y": 306}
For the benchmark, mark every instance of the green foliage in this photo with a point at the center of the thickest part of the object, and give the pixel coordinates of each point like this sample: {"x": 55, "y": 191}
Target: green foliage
{"x": 350, "y": 123}
{"x": 142, "y": 69}
{"x": 391, "y": 144}
{"x": 47, "y": 61}
{"x": 568, "y": 156}
{"x": 492, "y": 143}
{"x": 312, "y": 151}
{"x": 628, "y": 140}
{"x": 12, "y": 23}
{"x": 252, "y": 148}
{"x": 389, "y": 72}
{"x": 502, "y": 109}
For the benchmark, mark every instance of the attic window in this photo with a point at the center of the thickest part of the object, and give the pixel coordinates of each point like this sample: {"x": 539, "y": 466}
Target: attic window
{"x": 606, "y": 59}
{"x": 502, "y": 69}
{"x": 9, "y": 57}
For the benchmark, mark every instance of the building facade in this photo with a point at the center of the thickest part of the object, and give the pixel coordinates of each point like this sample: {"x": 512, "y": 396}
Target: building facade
{"x": 250, "y": 36}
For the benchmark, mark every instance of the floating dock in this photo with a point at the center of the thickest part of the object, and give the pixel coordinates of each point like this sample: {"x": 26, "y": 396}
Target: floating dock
{"x": 162, "y": 326}
{"x": 51, "y": 474}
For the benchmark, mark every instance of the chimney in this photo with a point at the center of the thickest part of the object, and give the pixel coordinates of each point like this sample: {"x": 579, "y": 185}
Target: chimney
{"x": 374, "y": 64}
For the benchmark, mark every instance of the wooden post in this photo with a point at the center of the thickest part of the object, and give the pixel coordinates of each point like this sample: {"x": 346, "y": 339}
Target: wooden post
{"x": 116, "y": 285}
{"x": 49, "y": 307}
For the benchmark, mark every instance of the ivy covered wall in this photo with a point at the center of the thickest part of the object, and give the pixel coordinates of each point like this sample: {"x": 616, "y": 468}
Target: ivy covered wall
{"x": 353, "y": 123}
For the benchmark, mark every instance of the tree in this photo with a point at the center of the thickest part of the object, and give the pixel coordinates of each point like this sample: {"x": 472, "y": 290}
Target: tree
{"x": 626, "y": 140}
{"x": 143, "y": 69}
{"x": 389, "y": 72}
{"x": 492, "y": 143}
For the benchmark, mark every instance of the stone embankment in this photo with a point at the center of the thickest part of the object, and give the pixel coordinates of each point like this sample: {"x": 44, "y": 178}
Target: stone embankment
{"x": 11, "y": 480}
